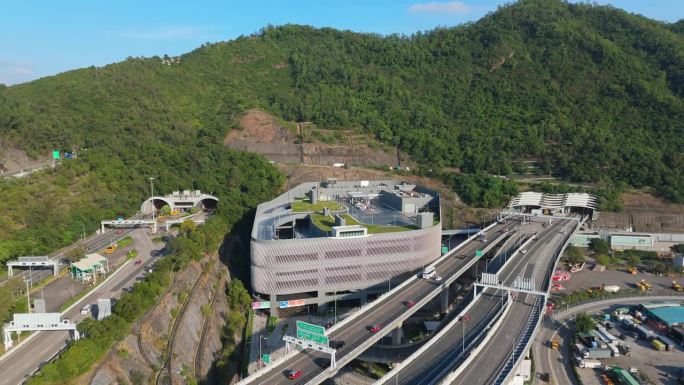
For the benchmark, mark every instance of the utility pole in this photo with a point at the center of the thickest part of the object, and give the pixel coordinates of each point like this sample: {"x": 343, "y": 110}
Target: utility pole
{"x": 28, "y": 297}
{"x": 464, "y": 319}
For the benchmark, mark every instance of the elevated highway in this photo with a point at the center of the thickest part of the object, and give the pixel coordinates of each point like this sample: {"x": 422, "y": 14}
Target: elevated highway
{"x": 495, "y": 361}
{"x": 450, "y": 347}
{"x": 388, "y": 311}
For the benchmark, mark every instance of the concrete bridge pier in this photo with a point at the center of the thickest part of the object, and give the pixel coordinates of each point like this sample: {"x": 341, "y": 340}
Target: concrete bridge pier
{"x": 444, "y": 300}
{"x": 363, "y": 298}
{"x": 397, "y": 335}
{"x": 274, "y": 305}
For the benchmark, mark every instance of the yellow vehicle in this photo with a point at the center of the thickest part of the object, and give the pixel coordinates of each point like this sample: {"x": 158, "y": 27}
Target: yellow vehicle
{"x": 175, "y": 212}
{"x": 594, "y": 290}
{"x": 633, "y": 270}
{"x": 554, "y": 344}
{"x": 676, "y": 286}
{"x": 643, "y": 285}
{"x": 110, "y": 249}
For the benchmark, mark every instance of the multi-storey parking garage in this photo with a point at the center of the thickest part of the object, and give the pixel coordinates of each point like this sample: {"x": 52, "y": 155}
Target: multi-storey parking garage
{"x": 327, "y": 240}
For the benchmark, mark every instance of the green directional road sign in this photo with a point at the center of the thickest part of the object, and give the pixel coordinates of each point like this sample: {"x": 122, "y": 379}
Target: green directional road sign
{"x": 266, "y": 358}
{"x": 310, "y": 327}
{"x": 55, "y": 154}
{"x": 315, "y": 337}
{"x": 478, "y": 253}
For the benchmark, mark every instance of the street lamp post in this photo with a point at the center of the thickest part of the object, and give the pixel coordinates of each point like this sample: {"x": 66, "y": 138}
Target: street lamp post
{"x": 152, "y": 194}
{"x": 464, "y": 319}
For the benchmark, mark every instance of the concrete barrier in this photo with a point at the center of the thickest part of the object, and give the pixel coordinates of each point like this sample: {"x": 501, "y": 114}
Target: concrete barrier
{"x": 362, "y": 311}
{"x": 63, "y": 313}
{"x": 453, "y": 375}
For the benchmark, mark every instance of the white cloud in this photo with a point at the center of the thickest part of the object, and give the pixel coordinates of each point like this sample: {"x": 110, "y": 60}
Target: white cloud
{"x": 452, "y": 7}
{"x": 161, "y": 33}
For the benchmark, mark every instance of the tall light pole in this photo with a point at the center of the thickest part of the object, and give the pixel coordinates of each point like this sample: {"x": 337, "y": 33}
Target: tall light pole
{"x": 152, "y": 194}
{"x": 464, "y": 318}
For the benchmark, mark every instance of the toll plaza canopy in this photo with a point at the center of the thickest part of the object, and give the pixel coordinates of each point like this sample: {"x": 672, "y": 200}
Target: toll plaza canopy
{"x": 554, "y": 202}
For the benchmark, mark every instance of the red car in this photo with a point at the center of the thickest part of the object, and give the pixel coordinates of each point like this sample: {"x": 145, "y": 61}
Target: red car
{"x": 138, "y": 262}
{"x": 409, "y": 304}
{"x": 375, "y": 328}
{"x": 294, "y": 374}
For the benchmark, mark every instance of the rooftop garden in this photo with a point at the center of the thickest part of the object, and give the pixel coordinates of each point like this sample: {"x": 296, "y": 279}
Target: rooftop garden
{"x": 305, "y": 205}
{"x": 326, "y": 222}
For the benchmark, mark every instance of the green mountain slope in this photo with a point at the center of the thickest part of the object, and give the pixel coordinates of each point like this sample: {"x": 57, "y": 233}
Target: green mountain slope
{"x": 591, "y": 92}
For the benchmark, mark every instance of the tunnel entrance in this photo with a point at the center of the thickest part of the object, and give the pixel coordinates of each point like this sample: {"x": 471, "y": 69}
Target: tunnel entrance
{"x": 208, "y": 204}
{"x": 159, "y": 203}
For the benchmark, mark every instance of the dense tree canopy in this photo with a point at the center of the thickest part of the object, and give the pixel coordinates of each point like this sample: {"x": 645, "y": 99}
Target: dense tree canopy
{"x": 589, "y": 92}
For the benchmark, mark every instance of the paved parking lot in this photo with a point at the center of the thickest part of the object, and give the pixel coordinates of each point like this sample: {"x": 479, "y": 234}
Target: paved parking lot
{"x": 660, "y": 367}
{"x": 587, "y": 278}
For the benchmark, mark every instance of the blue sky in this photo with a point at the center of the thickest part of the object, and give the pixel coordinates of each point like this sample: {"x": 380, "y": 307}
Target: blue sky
{"x": 44, "y": 37}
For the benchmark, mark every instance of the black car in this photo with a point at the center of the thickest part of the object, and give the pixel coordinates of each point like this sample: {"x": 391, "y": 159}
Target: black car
{"x": 336, "y": 344}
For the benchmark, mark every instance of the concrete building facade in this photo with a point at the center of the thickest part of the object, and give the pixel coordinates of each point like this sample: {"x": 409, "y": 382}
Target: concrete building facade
{"x": 315, "y": 267}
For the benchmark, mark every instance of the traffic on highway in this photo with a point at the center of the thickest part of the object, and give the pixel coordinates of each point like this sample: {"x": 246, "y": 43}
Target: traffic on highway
{"x": 27, "y": 357}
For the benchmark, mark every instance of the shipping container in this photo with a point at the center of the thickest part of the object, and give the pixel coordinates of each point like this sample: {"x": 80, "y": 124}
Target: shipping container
{"x": 625, "y": 377}
{"x": 669, "y": 344}
{"x": 598, "y": 353}
{"x": 645, "y": 333}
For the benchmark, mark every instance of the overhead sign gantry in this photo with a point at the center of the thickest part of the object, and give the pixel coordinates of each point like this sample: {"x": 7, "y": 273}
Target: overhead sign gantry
{"x": 31, "y": 262}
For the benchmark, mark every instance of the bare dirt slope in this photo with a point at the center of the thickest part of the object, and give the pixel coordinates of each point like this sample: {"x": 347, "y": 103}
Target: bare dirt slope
{"x": 258, "y": 126}
{"x": 277, "y": 141}
{"x": 12, "y": 159}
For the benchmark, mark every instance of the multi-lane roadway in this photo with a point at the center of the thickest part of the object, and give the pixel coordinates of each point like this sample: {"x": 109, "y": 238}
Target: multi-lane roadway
{"x": 24, "y": 359}
{"x": 429, "y": 366}
{"x": 92, "y": 244}
{"x": 490, "y": 361}
{"x": 392, "y": 309}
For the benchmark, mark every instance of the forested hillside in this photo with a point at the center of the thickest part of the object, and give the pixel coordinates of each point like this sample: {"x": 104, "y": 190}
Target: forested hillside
{"x": 591, "y": 92}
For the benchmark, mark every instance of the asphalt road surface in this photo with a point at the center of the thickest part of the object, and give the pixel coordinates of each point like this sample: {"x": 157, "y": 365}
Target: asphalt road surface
{"x": 436, "y": 362}
{"x": 23, "y": 360}
{"x": 357, "y": 331}
{"x": 494, "y": 355}
{"x": 558, "y": 363}
{"x": 94, "y": 243}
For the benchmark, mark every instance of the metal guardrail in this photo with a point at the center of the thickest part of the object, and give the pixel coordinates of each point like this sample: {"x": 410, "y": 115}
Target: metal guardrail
{"x": 607, "y": 297}
{"x": 396, "y": 319}
{"x": 363, "y": 311}
{"x": 507, "y": 370}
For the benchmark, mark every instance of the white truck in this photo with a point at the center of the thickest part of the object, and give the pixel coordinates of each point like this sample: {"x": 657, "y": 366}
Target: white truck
{"x": 590, "y": 364}
{"x": 611, "y": 288}
{"x": 429, "y": 272}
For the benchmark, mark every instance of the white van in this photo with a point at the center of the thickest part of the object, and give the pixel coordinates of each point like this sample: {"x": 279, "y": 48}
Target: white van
{"x": 429, "y": 272}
